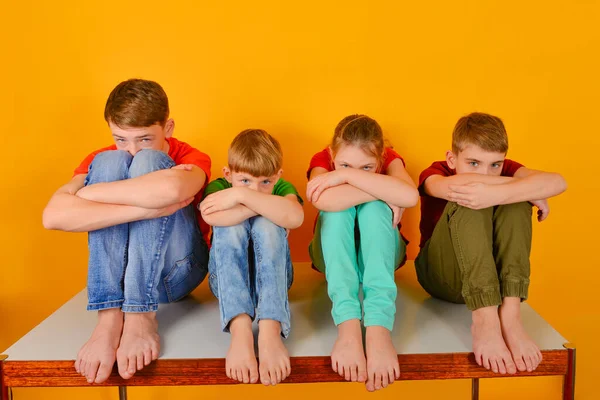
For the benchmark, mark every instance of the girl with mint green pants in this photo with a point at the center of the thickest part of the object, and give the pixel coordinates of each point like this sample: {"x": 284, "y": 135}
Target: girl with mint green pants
{"x": 354, "y": 246}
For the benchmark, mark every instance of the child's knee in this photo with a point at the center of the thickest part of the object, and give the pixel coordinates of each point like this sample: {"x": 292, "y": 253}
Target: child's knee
{"x": 109, "y": 166}
{"x": 523, "y": 208}
{"x": 374, "y": 210}
{"x": 228, "y": 236}
{"x": 469, "y": 214}
{"x": 146, "y": 161}
{"x": 263, "y": 230}
{"x": 337, "y": 217}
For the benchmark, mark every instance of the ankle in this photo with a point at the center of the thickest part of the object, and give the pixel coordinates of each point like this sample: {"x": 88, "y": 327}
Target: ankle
{"x": 112, "y": 316}
{"x": 268, "y": 328}
{"x": 486, "y": 316}
{"x": 350, "y": 329}
{"x": 241, "y": 324}
{"x": 378, "y": 331}
{"x": 510, "y": 308}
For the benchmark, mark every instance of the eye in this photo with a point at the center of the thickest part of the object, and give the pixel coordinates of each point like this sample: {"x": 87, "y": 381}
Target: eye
{"x": 495, "y": 165}
{"x": 474, "y": 163}
{"x": 266, "y": 182}
{"x": 120, "y": 140}
{"x": 244, "y": 181}
{"x": 367, "y": 167}
{"x": 146, "y": 140}
{"x": 344, "y": 165}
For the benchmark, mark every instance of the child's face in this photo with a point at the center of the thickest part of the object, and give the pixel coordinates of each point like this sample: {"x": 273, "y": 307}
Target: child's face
{"x": 263, "y": 184}
{"x": 350, "y": 156}
{"x": 473, "y": 159}
{"x": 132, "y": 139}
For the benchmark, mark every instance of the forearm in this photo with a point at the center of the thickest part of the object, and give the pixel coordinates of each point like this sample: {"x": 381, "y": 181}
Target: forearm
{"x": 439, "y": 186}
{"x": 154, "y": 190}
{"x": 233, "y": 216}
{"x": 342, "y": 197}
{"x": 70, "y": 213}
{"x": 280, "y": 210}
{"x": 538, "y": 186}
{"x": 390, "y": 189}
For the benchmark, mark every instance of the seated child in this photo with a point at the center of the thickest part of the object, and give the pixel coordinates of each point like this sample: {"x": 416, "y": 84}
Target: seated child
{"x": 361, "y": 188}
{"x": 476, "y": 227}
{"x": 145, "y": 238}
{"x": 251, "y": 211}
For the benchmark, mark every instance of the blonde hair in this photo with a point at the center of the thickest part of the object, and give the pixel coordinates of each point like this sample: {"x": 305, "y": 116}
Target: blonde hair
{"x": 480, "y": 129}
{"x": 255, "y": 152}
{"x": 361, "y": 131}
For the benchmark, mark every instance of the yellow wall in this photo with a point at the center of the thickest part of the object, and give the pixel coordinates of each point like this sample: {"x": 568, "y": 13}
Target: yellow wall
{"x": 295, "y": 69}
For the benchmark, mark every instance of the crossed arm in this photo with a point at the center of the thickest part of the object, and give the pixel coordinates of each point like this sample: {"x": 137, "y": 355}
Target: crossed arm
{"x": 344, "y": 188}
{"x": 78, "y": 208}
{"x": 234, "y": 205}
{"x": 478, "y": 191}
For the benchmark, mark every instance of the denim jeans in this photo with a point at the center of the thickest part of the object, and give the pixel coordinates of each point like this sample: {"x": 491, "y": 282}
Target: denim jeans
{"x": 136, "y": 265}
{"x": 251, "y": 271}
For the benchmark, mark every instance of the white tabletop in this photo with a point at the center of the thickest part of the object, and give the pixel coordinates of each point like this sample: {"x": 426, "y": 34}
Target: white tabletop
{"x": 191, "y": 328}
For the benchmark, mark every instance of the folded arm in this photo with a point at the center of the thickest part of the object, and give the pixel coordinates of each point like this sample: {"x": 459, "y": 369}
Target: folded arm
{"x": 488, "y": 191}
{"x": 68, "y": 212}
{"x": 341, "y": 189}
{"x": 153, "y": 190}
{"x": 234, "y": 205}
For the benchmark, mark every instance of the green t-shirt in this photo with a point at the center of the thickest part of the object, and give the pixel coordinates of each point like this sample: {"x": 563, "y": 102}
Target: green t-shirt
{"x": 281, "y": 188}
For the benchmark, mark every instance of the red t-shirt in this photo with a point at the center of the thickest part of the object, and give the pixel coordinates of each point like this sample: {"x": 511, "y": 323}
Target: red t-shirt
{"x": 181, "y": 153}
{"x": 432, "y": 208}
{"x": 323, "y": 159}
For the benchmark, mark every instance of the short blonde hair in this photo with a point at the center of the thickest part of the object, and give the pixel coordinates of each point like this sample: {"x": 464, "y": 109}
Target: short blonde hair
{"x": 255, "y": 152}
{"x": 480, "y": 129}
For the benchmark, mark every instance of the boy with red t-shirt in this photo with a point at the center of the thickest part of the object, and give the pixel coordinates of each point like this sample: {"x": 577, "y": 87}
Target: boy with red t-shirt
{"x": 476, "y": 237}
{"x": 147, "y": 242}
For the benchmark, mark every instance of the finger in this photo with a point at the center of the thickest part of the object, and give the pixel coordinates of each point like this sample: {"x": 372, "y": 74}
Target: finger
{"x": 460, "y": 189}
{"x": 459, "y": 196}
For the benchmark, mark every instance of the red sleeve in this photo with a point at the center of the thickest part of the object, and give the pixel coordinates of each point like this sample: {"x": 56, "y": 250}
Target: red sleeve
{"x": 321, "y": 159}
{"x": 510, "y": 168}
{"x": 437, "y": 168}
{"x": 197, "y": 158}
{"x": 85, "y": 164}
{"x": 390, "y": 155}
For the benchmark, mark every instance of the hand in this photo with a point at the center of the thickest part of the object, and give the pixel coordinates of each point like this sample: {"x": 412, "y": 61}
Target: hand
{"x": 475, "y": 195}
{"x": 396, "y": 213}
{"x": 184, "y": 167}
{"x": 166, "y": 211}
{"x": 221, "y": 200}
{"x": 324, "y": 181}
{"x": 543, "y": 209}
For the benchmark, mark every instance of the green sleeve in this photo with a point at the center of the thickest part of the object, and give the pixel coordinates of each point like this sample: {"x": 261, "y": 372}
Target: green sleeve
{"x": 283, "y": 188}
{"x": 215, "y": 186}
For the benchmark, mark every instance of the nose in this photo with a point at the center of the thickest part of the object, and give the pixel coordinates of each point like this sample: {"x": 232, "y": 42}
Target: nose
{"x": 132, "y": 149}
{"x": 254, "y": 186}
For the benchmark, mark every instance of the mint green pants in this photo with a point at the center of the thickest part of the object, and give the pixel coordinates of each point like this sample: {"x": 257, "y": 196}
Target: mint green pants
{"x": 354, "y": 246}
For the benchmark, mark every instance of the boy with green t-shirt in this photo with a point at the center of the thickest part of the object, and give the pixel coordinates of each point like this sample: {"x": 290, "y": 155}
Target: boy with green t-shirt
{"x": 251, "y": 211}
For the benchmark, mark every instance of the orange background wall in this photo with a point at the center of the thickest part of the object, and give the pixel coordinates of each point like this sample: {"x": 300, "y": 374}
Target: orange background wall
{"x": 295, "y": 69}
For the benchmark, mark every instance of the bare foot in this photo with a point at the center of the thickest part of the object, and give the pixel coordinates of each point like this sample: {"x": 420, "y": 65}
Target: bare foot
{"x": 382, "y": 358}
{"x": 140, "y": 344}
{"x": 96, "y": 358}
{"x": 348, "y": 354}
{"x": 273, "y": 356}
{"x": 488, "y": 345}
{"x": 240, "y": 363}
{"x": 525, "y": 353}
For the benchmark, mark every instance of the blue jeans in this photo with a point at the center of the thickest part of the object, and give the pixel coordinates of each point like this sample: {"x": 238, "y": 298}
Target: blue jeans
{"x": 136, "y": 265}
{"x": 251, "y": 270}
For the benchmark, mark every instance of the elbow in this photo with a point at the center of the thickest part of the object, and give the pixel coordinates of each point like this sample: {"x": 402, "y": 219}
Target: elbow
{"x": 561, "y": 183}
{"x": 412, "y": 199}
{"x": 295, "y": 219}
{"x": 49, "y": 220}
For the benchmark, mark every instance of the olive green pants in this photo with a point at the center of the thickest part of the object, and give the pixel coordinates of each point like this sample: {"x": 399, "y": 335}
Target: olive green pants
{"x": 478, "y": 257}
